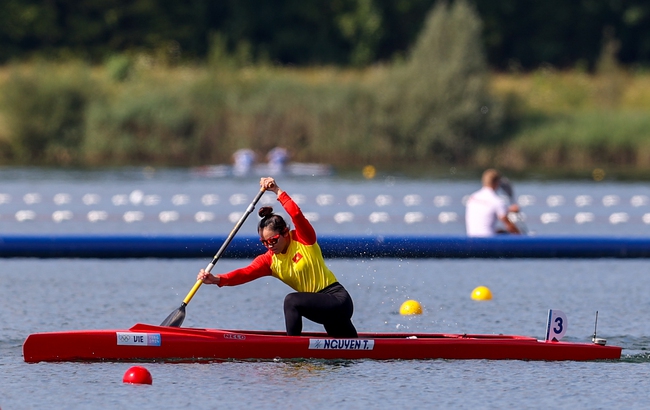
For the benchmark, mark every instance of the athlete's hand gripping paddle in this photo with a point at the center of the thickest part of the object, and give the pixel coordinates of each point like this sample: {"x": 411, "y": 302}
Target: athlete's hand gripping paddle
{"x": 175, "y": 319}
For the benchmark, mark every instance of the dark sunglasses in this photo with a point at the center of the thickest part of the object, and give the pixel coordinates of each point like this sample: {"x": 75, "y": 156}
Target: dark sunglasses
{"x": 271, "y": 241}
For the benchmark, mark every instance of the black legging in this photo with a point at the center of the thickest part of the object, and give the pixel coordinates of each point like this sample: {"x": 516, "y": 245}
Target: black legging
{"x": 332, "y": 307}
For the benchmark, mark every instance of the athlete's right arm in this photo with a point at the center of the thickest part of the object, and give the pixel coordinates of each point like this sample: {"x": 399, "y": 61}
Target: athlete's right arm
{"x": 261, "y": 266}
{"x": 510, "y": 227}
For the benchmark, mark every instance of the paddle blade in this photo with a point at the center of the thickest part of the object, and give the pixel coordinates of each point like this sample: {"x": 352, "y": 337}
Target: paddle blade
{"x": 175, "y": 319}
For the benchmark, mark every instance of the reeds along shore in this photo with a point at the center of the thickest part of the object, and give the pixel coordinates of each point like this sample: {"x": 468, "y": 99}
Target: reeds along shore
{"x": 574, "y": 120}
{"x": 144, "y": 113}
{"x": 433, "y": 104}
{"x": 437, "y": 106}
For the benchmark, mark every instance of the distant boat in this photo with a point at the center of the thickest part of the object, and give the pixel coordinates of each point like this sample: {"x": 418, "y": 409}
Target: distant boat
{"x": 291, "y": 169}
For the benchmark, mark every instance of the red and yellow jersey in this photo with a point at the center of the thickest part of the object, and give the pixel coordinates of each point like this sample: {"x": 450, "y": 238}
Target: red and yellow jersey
{"x": 302, "y": 266}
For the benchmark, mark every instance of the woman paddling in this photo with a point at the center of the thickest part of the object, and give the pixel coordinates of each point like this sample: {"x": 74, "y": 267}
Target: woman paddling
{"x": 295, "y": 258}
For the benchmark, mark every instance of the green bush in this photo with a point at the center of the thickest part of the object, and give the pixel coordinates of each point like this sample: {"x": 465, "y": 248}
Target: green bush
{"x": 142, "y": 110}
{"x": 436, "y": 104}
{"x": 577, "y": 140}
{"x": 119, "y": 67}
{"x": 262, "y": 108}
{"x": 142, "y": 122}
{"x": 45, "y": 112}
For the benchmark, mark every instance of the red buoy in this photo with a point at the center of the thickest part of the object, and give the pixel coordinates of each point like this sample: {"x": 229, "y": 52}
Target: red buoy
{"x": 137, "y": 375}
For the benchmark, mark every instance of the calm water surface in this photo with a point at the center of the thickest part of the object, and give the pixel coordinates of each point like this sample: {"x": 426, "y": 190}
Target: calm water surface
{"x": 63, "y": 294}
{"x": 47, "y": 295}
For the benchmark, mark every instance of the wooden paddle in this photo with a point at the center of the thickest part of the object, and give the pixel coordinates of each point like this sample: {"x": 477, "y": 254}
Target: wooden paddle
{"x": 175, "y": 319}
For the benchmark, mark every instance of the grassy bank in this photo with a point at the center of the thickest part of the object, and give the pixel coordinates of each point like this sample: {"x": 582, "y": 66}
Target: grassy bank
{"x": 153, "y": 114}
{"x": 436, "y": 109}
{"x": 431, "y": 105}
{"x": 574, "y": 121}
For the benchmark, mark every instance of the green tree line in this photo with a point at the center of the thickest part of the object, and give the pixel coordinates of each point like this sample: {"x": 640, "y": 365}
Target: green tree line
{"x": 433, "y": 103}
{"x": 515, "y": 33}
{"x": 152, "y": 100}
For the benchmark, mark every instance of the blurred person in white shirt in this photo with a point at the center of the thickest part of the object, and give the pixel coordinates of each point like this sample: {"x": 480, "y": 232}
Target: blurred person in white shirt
{"x": 485, "y": 207}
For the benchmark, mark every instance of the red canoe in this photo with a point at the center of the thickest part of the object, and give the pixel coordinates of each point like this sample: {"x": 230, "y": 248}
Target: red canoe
{"x": 173, "y": 344}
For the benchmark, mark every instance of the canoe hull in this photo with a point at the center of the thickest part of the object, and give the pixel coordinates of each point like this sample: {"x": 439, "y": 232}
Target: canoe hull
{"x": 167, "y": 344}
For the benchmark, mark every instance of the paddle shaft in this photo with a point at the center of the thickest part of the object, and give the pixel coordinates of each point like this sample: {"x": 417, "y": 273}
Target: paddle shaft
{"x": 507, "y": 188}
{"x": 221, "y": 250}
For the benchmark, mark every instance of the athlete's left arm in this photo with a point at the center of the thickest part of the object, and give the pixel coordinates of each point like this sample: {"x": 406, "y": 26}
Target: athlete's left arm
{"x": 305, "y": 233}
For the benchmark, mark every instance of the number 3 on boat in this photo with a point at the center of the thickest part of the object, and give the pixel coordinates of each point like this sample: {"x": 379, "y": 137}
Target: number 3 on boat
{"x": 556, "y": 325}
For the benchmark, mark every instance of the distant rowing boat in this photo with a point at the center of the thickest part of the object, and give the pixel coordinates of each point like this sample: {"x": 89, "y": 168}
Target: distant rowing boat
{"x": 291, "y": 169}
{"x": 144, "y": 342}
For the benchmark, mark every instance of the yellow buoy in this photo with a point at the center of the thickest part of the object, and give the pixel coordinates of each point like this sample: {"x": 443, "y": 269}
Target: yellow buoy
{"x": 369, "y": 172}
{"x": 598, "y": 174}
{"x": 481, "y": 293}
{"x": 410, "y": 307}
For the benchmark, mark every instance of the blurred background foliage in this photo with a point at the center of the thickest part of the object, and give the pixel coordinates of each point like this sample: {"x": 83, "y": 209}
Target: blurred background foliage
{"x": 505, "y": 83}
{"x": 515, "y": 34}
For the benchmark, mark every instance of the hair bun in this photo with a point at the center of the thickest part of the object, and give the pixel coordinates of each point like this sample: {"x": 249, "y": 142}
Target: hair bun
{"x": 265, "y": 211}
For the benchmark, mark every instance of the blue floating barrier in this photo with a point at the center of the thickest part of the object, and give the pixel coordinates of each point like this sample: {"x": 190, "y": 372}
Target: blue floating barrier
{"x": 174, "y": 246}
